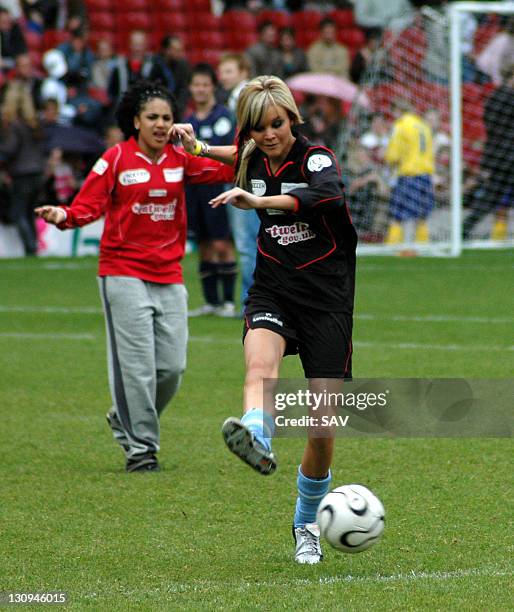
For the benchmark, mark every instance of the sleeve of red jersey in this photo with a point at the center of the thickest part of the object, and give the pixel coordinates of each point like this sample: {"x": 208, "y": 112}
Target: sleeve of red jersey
{"x": 94, "y": 197}
{"x": 203, "y": 170}
{"x": 325, "y": 190}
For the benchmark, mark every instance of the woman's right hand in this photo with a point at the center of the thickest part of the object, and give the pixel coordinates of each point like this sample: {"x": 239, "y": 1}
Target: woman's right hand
{"x": 186, "y": 133}
{"x": 51, "y": 214}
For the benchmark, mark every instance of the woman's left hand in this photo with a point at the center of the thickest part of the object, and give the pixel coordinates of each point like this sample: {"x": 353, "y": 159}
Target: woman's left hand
{"x": 237, "y": 197}
{"x": 186, "y": 133}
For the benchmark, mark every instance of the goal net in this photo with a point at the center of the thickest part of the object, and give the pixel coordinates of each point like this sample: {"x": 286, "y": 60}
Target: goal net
{"x": 429, "y": 147}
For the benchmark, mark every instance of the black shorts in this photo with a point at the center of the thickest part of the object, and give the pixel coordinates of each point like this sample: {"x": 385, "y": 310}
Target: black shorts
{"x": 323, "y": 340}
{"x": 203, "y": 222}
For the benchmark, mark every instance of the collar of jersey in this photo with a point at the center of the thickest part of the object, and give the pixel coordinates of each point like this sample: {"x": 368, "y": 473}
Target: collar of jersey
{"x": 139, "y": 153}
{"x": 290, "y": 159}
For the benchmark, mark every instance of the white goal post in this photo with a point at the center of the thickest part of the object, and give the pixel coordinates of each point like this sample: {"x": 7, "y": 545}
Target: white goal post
{"x": 422, "y": 77}
{"x": 456, "y": 89}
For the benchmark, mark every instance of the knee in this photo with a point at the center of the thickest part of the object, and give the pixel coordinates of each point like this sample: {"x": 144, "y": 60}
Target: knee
{"x": 259, "y": 367}
{"x": 224, "y": 250}
{"x": 171, "y": 373}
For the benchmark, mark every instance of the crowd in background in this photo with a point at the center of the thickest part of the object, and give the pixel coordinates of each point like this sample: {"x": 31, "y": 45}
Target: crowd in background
{"x": 57, "y": 117}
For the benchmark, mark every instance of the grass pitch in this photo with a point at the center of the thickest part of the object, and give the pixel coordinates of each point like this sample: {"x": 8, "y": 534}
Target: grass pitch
{"x": 207, "y": 533}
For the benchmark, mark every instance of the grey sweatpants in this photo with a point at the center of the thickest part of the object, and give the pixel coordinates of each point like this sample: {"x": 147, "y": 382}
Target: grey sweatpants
{"x": 146, "y": 352}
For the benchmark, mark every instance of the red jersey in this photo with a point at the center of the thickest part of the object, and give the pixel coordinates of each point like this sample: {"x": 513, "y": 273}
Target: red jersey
{"x": 144, "y": 207}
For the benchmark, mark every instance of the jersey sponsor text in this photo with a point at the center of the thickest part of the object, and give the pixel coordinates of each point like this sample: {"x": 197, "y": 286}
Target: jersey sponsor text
{"x": 290, "y": 234}
{"x": 157, "y": 212}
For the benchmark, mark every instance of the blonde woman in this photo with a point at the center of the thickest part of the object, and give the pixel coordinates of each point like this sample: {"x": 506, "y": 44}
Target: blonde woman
{"x": 301, "y": 301}
{"x": 21, "y": 147}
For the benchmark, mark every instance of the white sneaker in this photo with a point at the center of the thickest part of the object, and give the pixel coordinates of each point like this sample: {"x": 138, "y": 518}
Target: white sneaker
{"x": 308, "y": 548}
{"x": 242, "y": 443}
{"x": 226, "y": 310}
{"x": 205, "y": 309}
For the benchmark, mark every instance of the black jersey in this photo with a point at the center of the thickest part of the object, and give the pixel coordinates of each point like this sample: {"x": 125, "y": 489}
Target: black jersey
{"x": 306, "y": 256}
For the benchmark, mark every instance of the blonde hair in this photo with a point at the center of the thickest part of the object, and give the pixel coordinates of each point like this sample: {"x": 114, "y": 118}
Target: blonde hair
{"x": 254, "y": 100}
{"x": 18, "y": 105}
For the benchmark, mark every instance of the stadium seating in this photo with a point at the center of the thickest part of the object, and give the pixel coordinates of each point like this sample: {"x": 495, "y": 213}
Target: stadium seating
{"x": 307, "y": 20}
{"x": 281, "y": 19}
{"x": 134, "y": 21}
{"x": 169, "y": 6}
{"x": 203, "y": 22}
{"x": 238, "y": 21}
{"x": 100, "y": 5}
{"x": 102, "y": 20}
{"x": 204, "y": 33}
{"x": 343, "y": 18}
{"x": 129, "y": 6}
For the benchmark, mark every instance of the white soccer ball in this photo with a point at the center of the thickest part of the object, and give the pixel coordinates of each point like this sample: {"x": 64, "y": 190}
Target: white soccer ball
{"x": 351, "y": 518}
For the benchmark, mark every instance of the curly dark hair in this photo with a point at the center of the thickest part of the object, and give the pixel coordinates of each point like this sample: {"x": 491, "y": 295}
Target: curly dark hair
{"x": 135, "y": 98}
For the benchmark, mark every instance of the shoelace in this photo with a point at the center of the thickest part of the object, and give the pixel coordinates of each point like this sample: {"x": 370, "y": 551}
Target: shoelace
{"x": 311, "y": 543}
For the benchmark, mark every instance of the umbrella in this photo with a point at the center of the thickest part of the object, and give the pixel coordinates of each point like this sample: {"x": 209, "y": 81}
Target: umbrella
{"x": 72, "y": 139}
{"x": 320, "y": 84}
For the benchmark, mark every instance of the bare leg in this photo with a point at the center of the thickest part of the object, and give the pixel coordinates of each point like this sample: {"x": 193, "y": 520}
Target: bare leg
{"x": 263, "y": 350}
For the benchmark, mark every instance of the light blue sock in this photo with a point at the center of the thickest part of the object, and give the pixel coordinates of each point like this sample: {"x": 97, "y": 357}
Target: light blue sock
{"x": 261, "y": 424}
{"x": 310, "y": 492}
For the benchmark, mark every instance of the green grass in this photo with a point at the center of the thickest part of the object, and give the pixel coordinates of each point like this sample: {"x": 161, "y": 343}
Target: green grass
{"x": 208, "y": 534}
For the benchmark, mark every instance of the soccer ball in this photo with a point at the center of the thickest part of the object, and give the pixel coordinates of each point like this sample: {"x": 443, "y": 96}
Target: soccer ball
{"x": 351, "y": 518}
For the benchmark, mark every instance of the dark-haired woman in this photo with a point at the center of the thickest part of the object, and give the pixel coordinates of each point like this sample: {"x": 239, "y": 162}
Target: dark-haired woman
{"x": 139, "y": 186}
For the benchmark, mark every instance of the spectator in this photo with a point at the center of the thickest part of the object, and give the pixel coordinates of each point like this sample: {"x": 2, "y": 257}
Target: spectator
{"x": 367, "y": 189}
{"x": 391, "y": 14}
{"x": 20, "y": 145}
{"x": 112, "y": 136}
{"x": 376, "y": 138}
{"x": 410, "y": 153}
{"x": 78, "y": 55}
{"x": 102, "y": 65}
{"x": 365, "y": 55}
{"x": 436, "y": 61}
{"x": 138, "y": 65}
{"x": 176, "y": 69}
{"x": 14, "y": 8}
{"x": 233, "y": 72}
{"x": 62, "y": 14}
{"x": 326, "y": 54}
{"x": 264, "y": 57}
{"x": 294, "y": 59}
{"x": 53, "y": 86}
{"x": 34, "y": 12}
{"x": 50, "y": 113}
{"x": 24, "y": 73}
{"x": 496, "y": 180}
{"x": 88, "y": 112}
{"x": 210, "y": 227}
{"x": 60, "y": 183}
{"x": 12, "y": 41}
{"x": 498, "y": 53}
{"x": 325, "y": 123}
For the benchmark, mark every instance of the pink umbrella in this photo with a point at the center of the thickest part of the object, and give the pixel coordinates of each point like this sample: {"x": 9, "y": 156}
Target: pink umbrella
{"x": 329, "y": 85}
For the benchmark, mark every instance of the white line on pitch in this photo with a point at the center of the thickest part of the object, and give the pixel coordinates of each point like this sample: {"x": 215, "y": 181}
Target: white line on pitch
{"x": 385, "y": 345}
{"x": 433, "y": 318}
{"x": 46, "y": 336}
{"x": 50, "y": 265}
{"x": 52, "y": 309}
{"x": 360, "y": 316}
{"x": 233, "y": 342}
{"x": 241, "y": 586}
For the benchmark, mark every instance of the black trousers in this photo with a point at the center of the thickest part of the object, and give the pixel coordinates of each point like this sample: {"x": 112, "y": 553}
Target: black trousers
{"x": 486, "y": 198}
{"x": 25, "y": 193}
